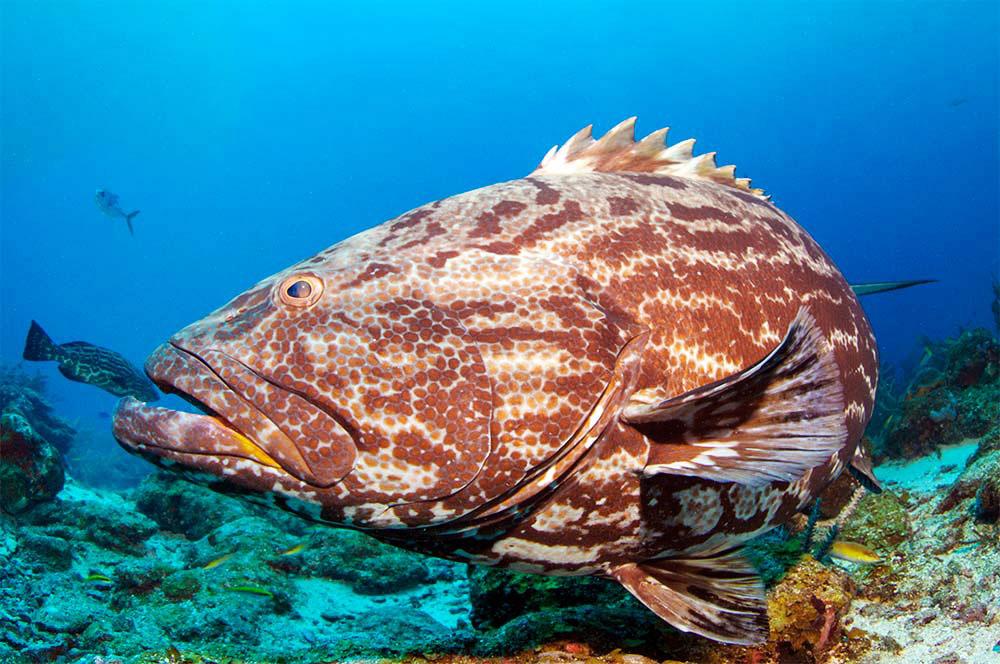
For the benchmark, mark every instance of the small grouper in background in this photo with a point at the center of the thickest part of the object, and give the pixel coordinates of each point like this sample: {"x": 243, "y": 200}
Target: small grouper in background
{"x": 109, "y": 205}
{"x": 626, "y": 364}
{"x": 86, "y": 363}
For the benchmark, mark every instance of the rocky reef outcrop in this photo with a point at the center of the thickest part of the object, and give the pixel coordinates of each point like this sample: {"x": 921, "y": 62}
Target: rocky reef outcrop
{"x": 31, "y": 470}
{"x": 32, "y": 441}
{"x": 24, "y": 393}
{"x": 953, "y": 395}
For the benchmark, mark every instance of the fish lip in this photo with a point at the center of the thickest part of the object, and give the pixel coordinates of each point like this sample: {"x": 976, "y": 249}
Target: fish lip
{"x": 152, "y": 432}
{"x": 168, "y": 384}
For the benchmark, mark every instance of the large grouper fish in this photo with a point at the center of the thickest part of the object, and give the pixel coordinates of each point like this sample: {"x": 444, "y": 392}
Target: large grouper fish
{"x": 625, "y": 364}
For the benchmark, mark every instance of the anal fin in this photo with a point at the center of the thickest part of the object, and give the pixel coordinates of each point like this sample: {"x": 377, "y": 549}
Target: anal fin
{"x": 719, "y": 596}
{"x": 773, "y": 421}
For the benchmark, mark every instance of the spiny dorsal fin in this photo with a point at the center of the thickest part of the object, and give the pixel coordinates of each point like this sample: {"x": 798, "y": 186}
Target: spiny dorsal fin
{"x": 719, "y": 596}
{"x": 618, "y": 152}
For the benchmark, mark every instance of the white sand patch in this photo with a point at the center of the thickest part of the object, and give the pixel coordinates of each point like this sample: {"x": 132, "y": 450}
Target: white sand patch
{"x": 924, "y": 475}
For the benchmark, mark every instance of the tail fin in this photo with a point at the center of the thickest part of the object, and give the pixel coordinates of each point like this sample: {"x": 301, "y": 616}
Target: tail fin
{"x": 38, "y": 346}
{"x": 885, "y": 286}
{"x": 128, "y": 219}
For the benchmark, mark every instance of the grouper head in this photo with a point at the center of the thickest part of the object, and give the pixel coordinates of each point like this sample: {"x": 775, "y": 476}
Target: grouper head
{"x": 335, "y": 383}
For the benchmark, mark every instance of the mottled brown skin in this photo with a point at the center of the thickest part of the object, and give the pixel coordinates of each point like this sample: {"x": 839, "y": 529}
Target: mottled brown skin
{"x": 456, "y": 387}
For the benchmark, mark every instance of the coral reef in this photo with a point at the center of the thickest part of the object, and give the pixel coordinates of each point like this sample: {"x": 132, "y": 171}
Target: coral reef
{"x": 24, "y": 394}
{"x": 980, "y": 483}
{"x": 91, "y": 575}
{"x": 806, "y": 610}
{"x": 32, "y": 439}
{"x": 882, "y": 520}
{"x": 954, "y": 395}
{"x": 937, "y": 593}
{"x": 176, "y": 572}
{"x": 31, "y": 470}
{"x": 178, "y": 506}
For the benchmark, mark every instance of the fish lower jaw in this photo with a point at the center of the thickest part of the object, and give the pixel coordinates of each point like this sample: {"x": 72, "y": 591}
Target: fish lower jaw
{"x": 201, "y": 442}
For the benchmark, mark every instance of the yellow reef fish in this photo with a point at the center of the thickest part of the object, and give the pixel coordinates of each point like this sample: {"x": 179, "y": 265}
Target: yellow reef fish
{"x": 252, "y": 590}
{"x": 853, "y": 552}
{"x": 218, "y": 561}
{"x": 292, "y": 551}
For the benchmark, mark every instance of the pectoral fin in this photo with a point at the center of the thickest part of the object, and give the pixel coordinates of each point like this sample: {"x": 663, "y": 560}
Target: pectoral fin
{"x": 720, "y": 596}
{"x": 772, "y": 421}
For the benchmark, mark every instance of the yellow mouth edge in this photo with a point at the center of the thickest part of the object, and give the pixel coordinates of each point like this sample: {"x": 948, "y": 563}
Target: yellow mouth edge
{"x": 251, "y": 449}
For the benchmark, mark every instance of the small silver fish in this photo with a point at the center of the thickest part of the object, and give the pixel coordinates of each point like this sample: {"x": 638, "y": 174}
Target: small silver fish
{"x": 109, "y": 205}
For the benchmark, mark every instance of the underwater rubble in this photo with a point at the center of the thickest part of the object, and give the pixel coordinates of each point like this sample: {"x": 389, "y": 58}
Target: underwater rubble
{"x": 170, "y": 571}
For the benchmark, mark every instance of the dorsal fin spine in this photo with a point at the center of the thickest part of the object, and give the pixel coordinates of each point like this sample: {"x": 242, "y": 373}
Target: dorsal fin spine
{"x": 653, "y": 143}
{"x": 617, "y": 151}
{"x": 621, "y": 137}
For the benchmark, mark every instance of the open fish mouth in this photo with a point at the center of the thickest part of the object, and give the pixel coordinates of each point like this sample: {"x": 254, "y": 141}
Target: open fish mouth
{"x": 237, "y": 433}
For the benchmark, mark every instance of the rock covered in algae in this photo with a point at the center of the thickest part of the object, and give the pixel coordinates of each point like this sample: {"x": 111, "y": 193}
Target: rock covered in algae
{"x": 498, "y": 595}
{"x": 881, "y": 522}
{"x": 31, "y": 469}
{"x": 979, "y": 483}
{"x": 806, "y": 609}
{"x": 24, "y": 394}
{"x": 954, "y": 395}
{"x": 987, "y": 505}
{"x": 111, "y": 524}
{"x": 179, "y": 506}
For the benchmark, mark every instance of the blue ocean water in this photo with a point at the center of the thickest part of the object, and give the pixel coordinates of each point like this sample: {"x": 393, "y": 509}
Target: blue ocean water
{"x": 252, "y": 135}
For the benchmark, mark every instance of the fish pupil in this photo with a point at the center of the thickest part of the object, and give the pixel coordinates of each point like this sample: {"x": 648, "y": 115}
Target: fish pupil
{"x": 299, "y": 289}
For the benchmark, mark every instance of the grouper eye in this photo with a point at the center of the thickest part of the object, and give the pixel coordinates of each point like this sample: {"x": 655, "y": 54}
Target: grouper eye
{"x": 301, "y": 290}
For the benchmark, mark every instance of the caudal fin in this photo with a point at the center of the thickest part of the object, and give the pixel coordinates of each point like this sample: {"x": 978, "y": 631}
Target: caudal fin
{"x": 38, "y": 346}
{"x": 128, "y": 219}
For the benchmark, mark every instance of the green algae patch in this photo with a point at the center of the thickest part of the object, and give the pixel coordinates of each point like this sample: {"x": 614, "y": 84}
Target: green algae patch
{"x": 881, "y": 522}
